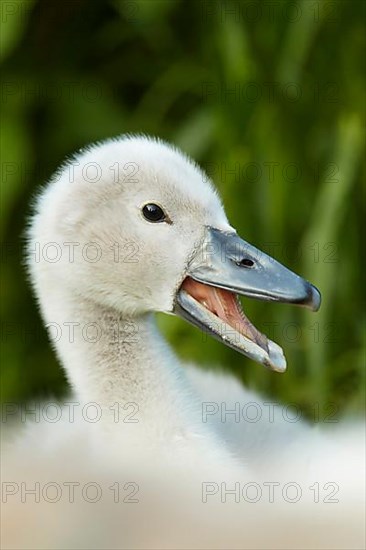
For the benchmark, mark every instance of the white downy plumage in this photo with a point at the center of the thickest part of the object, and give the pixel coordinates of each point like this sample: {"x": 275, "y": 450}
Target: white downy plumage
{"x": 100, "y": 270}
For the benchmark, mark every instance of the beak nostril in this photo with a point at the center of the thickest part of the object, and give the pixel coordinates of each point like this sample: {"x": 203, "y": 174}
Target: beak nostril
{"x": 245, "y": 262}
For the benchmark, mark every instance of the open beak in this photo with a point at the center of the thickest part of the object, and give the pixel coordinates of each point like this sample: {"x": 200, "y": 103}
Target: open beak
{"x": 224, "y": 266}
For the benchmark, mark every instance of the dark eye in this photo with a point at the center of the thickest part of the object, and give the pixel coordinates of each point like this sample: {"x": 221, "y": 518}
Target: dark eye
{"x": 153, "y": 213}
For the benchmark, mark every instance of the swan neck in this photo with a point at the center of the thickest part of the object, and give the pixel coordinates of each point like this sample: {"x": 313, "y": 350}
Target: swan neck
{"x": 109, "y": 357}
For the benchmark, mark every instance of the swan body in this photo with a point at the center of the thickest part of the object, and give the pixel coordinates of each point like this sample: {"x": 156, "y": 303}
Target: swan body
{"x": 100, "y": 270}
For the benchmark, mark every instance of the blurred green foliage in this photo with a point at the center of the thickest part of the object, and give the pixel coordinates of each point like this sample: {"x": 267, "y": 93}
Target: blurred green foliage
{"x": 267, "y": 96}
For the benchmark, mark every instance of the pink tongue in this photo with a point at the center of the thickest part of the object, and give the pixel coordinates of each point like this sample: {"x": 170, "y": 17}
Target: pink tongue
{"x": 224, "y": 304}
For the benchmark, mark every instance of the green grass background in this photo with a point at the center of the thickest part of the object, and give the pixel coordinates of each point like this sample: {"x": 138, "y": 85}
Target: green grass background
{"x": 268, "y": 96}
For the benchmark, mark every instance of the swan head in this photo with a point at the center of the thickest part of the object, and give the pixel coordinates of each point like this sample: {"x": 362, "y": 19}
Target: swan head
{"x": 135, "y": 225}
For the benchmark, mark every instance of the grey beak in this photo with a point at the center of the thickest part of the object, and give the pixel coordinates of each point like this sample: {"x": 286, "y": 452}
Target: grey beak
{"x": 223, "y": 260}
{"x": 227, "y": 261}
